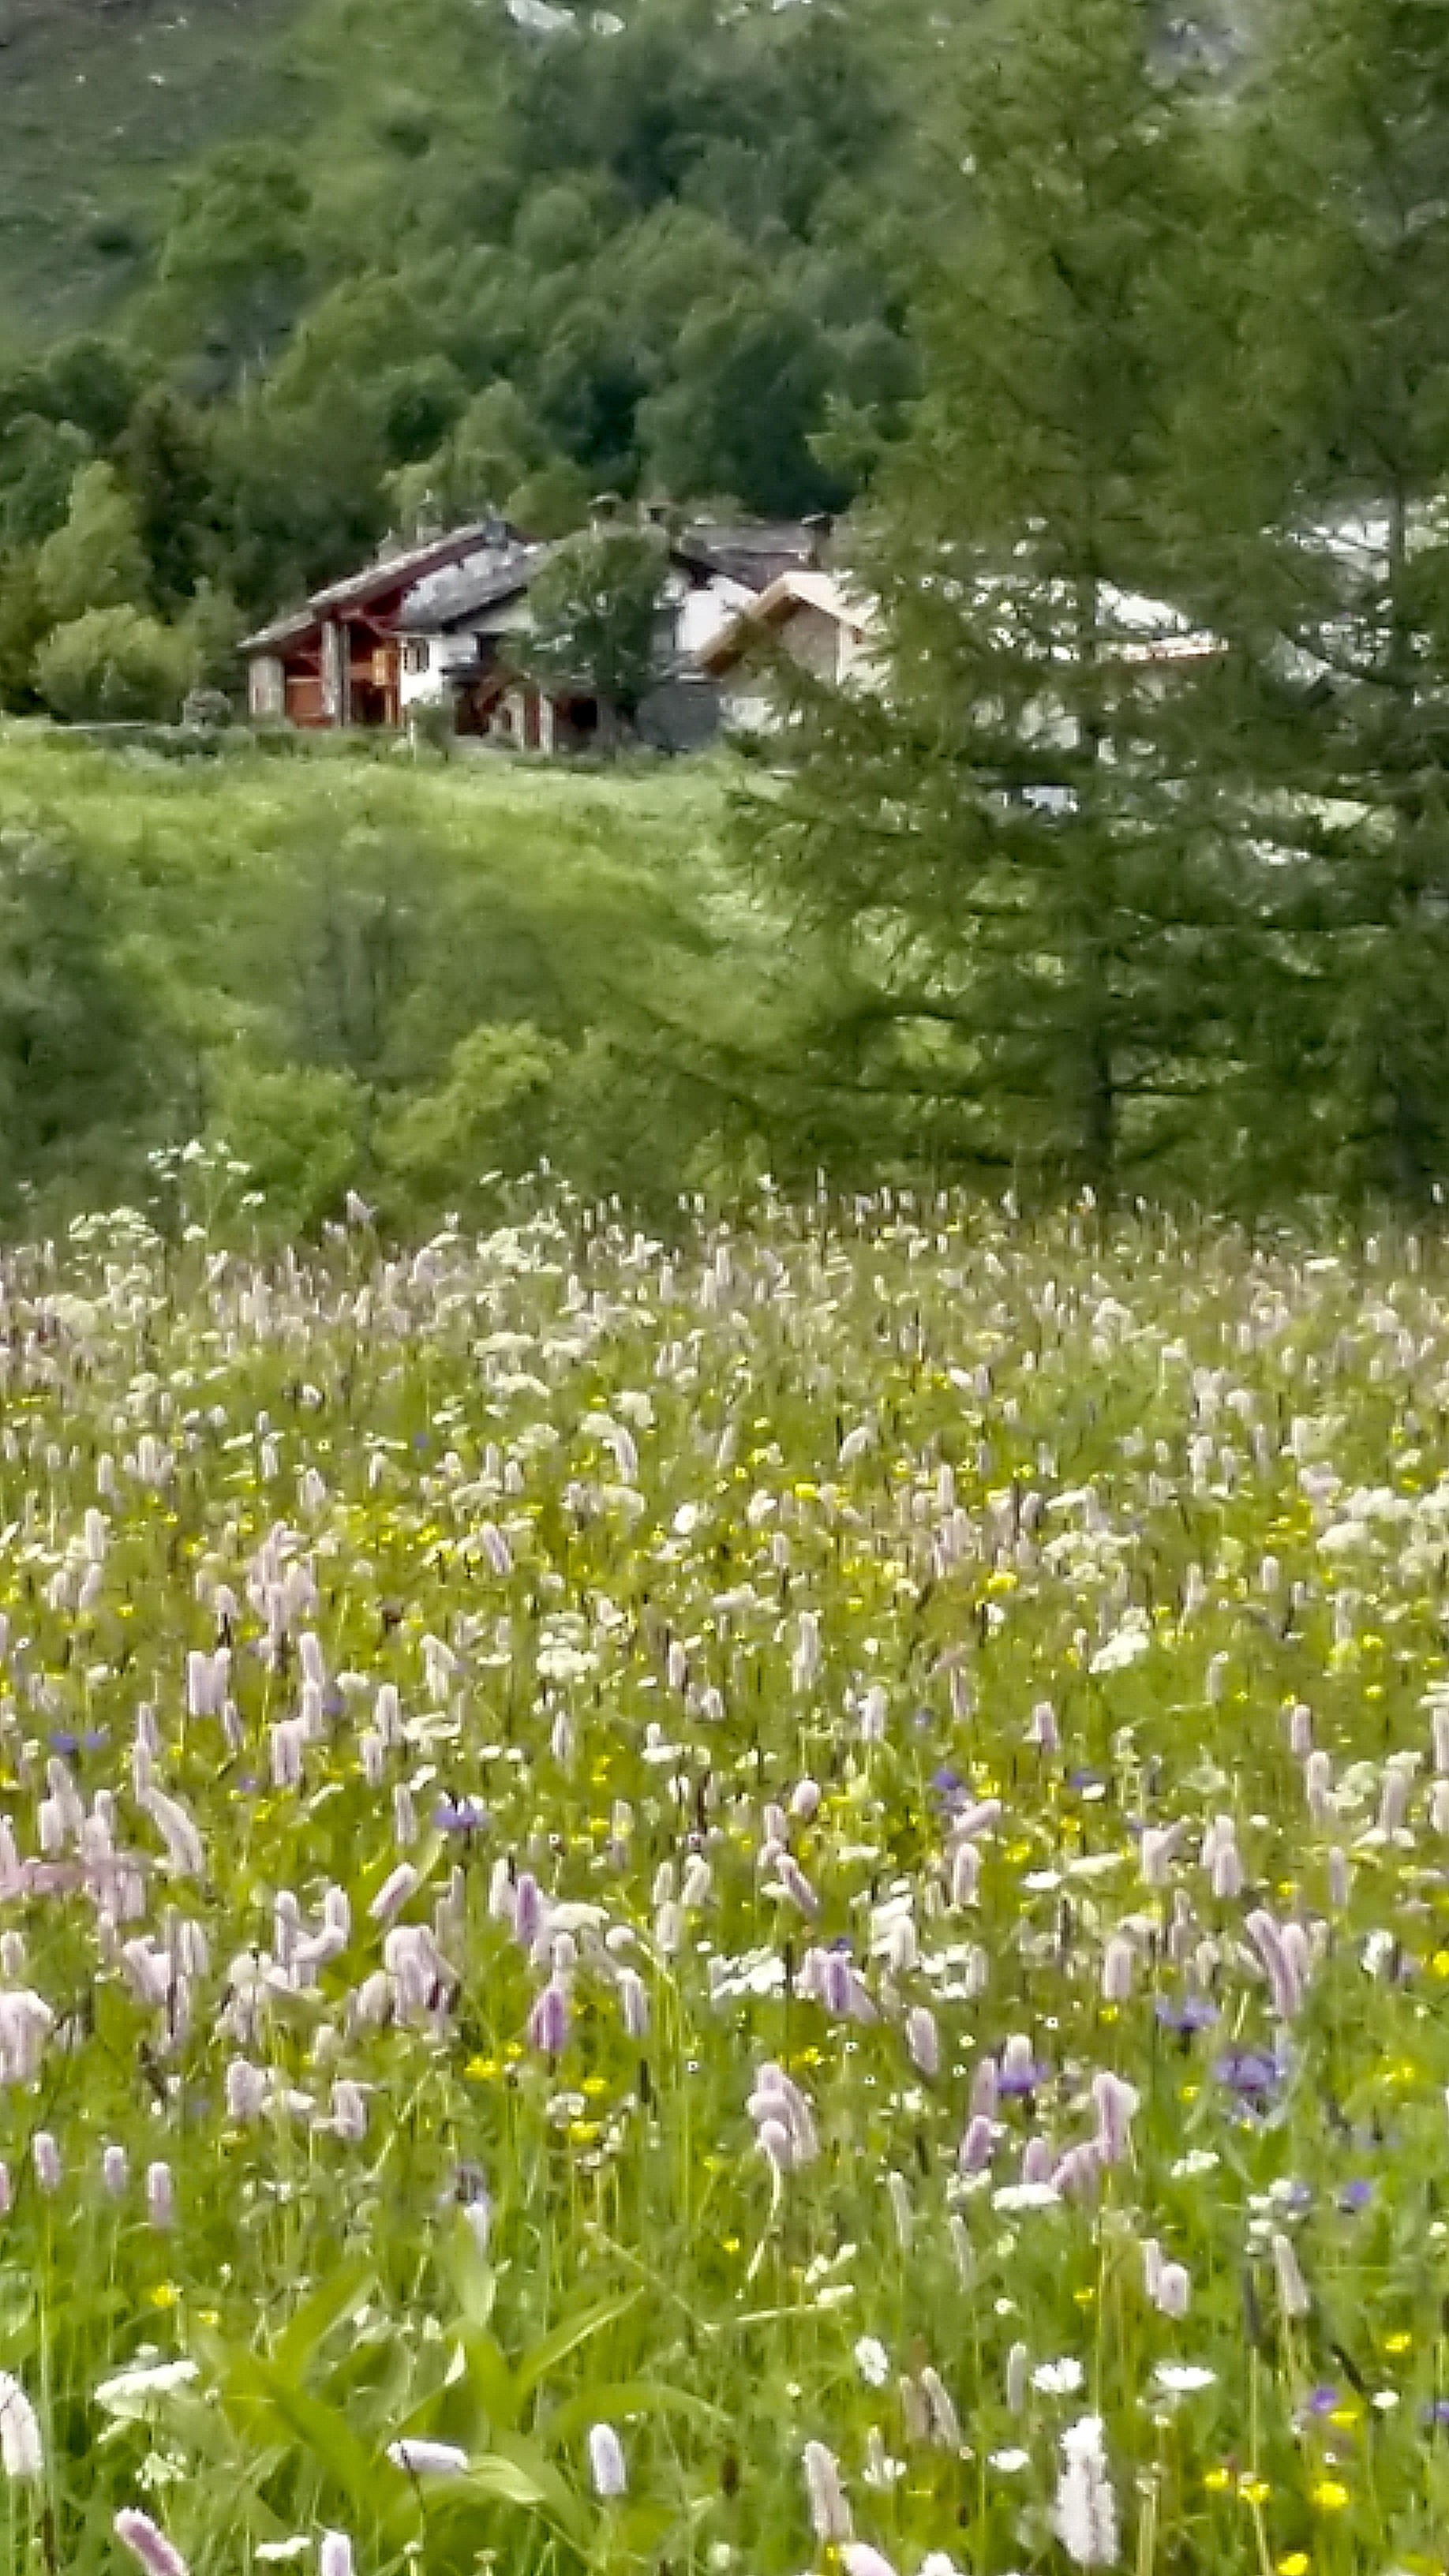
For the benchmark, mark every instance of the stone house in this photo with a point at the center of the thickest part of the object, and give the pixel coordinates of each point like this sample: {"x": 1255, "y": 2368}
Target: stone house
{"x": 441, "y": 621}
{"x": 336, "y": 661}
{"x": 804, "y": 613}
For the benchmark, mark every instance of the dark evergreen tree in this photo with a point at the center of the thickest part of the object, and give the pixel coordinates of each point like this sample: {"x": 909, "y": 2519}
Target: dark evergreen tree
{"x": 1329, "y": 497}
{"x": 164, "y": 457}
{"x": 1036, "y": 926}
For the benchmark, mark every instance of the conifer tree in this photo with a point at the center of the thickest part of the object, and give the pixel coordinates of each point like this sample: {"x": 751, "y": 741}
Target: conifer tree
{"x": 1330, "y": 491}
{"x": 1035, "y": 928}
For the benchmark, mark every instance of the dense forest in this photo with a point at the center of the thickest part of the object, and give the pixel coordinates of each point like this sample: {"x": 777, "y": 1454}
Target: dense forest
{"x": 472, "y": 262}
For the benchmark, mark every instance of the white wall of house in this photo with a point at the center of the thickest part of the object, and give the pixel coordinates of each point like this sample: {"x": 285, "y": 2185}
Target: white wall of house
{"x": 700, "y": 615}
{"x": 826, "y": 646}
{"x": 416, "y": 676}
{"x": 428, "y": 665}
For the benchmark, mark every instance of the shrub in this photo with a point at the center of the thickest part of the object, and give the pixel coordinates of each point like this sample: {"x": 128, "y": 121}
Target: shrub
{"x": 299, "y": 1129}
{"x": 112, "y": 666}
{"x": 489, "y": 1113}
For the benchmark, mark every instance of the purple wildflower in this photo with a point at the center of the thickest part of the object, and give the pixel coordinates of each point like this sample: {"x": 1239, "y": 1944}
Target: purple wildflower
{"x": 1193, "y": 2014}
{"x": 1248, "y": 2072}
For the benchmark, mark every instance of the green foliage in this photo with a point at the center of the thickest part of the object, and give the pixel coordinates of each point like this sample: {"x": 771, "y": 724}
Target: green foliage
{"x": 468, "y": 268}
{"x": 1331, "y": 580}
{"x": 489, "y": 453}
{"x": 81, "y": 1062}
{"x": 432, "y": 723}
{"x": 92, "y": 383}
{"x": 749, "y": 392}
{"x": 115, "y": 665}
{"x": 211, "y": 624}
{"x": 41, "y": 461}
{"x": 300, "y": 1131}
{"x": 402, "y": 976}
{"x": 594, "y": 612}
{"x": 232, "y": 266}
{"x": 1028, "y": 906}
{"x": 24, "y": 620}
{"x": 166, "y": 463}
{"x": 489, "y": 1118}
{"x": 1128, "y": 865}
{"x": 552, "y": 500}
{"x": 97, "y": 559}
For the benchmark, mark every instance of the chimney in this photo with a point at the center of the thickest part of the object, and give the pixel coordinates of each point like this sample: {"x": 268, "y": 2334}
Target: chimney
{"x": 819, "y": 528}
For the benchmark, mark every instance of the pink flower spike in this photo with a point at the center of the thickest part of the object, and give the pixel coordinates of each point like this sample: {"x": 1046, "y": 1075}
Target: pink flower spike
{"x": 859, "y": 2559}
{"x": 137, "y": 2532}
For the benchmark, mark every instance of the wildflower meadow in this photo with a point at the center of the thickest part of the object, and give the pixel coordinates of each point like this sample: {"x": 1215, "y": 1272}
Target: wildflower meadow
{"x": 759, "y": 1903}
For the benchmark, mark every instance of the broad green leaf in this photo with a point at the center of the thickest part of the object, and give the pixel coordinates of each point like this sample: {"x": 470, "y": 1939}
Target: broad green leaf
{"x": 256, "y": 2387}
{"x": 496, "y": 2386}
{"x": 469, "y": 2274}
{"x": 516, "y": 2473}
{"x": 338, "y": 2297}
{"x": 617, "y": 2400}
{"x": 557, "y": 2498}
{"x": 566, "y": 2338}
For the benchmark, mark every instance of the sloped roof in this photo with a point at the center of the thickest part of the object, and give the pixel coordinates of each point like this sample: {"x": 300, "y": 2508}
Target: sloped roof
{"x": 451, "y": 597}
{"x": 752, "y": 553}
{"x": 793, "y": 590}
{"x": 404, "y": 569}
{"x": 400, "y": 571}
{"x": 282, "y": 630}
{"x": 446, "y": 580}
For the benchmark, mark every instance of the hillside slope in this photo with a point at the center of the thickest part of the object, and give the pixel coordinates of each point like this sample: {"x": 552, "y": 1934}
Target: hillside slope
{"x": 359, "y": 264}
{"x": 100, "y": 101}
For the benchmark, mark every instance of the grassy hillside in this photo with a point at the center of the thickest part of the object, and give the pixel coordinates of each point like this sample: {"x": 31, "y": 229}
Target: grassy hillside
{"x": 366, "y": 973}
{"x": 99, "y": 105}
{"x": 202, "y": 813}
